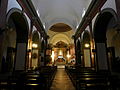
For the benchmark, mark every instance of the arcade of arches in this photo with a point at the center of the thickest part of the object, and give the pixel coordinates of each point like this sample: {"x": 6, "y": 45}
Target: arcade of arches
{"x": 27, "y": 46}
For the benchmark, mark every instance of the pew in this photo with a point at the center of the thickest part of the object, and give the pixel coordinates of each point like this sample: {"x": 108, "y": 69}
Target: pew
{"x": 89, "y": 79}
{"x": 39, "y": 79}
{"x": 34, "y": 81}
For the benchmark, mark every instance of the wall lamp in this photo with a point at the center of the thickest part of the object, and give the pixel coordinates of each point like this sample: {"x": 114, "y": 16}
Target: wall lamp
{"x": 87, "y": 45}
{"x": 35, "y": 45}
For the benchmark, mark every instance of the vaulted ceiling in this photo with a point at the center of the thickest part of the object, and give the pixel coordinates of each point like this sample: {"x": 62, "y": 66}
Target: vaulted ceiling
{"x": 60, "y": 27}
{"x": 69, "y": 12}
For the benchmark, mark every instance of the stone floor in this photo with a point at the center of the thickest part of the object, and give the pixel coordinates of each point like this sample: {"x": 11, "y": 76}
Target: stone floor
{"x": 62, "y": 81}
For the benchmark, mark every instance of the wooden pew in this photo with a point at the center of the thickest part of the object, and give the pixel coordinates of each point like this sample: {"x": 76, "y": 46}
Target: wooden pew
{"x": 4, "y": 85}
{"x": 49, "y": 73}
{"x": 34, "y": 81}
{"x": 88, "y": 79}
{"x": 30, "y": 80}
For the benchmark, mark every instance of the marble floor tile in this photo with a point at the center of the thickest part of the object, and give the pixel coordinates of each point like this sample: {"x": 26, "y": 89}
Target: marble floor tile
{"x": 62, "y": 81}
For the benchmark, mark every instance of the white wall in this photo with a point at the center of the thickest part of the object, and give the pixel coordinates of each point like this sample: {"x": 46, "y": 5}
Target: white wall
{"x": 93, "y": 21}
{"x": 109, "y": 4}
{"x": 35, "y": 60}
{"x": 13, "y": 4}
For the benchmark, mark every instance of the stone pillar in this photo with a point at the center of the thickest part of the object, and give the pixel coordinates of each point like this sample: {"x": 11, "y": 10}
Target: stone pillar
{"x": 92, "y": 46}
{"x": 101, "y": 56}
{"x": 78, "y": 51}
{"x": 42, "y": 53}
{"x": 21, "y": 51}
{"x": 1, "y": 48}
{"x": 118, "y": 7}
{"x": 76, "y": 54}
{"x": 45, "y": 62}
{"x": 29, "y": 60}
{"x": 3, "y": 10}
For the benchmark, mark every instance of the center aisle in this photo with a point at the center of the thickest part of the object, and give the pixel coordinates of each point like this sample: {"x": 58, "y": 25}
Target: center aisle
{"x": 62, "y": 81}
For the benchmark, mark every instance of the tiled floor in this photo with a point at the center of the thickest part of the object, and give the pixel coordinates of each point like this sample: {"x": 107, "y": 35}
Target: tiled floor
{"x": 62, "y": 81}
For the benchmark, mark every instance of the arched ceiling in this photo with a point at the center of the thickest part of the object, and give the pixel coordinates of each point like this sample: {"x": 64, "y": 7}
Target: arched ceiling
{"x": 64, "y": 11}
{"x": 60, "y": 27}
{"x": 56, "y": 37}
{"x": 59, "y": 37}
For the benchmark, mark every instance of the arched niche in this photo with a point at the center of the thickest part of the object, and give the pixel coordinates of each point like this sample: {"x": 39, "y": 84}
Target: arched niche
{"x": 104, "y": 33}
{"x": 36, "y": 49}
{"x": 86, "y": 49}
{"x": 15, "y": 41}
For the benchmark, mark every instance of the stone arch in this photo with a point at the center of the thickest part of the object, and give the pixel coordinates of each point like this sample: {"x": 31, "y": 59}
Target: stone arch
{"x": 86, "y": 49}
{"x": 36, "y": 48}
{"x": 64, "y": 39}
{"x": 105, "y": 16}
{"x": 101, "y": 26}
{"x": 17, "y": 22}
